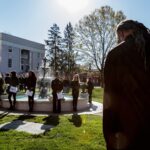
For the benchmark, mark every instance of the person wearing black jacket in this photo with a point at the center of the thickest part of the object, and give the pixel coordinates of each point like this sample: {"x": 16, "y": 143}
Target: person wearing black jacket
{"x": 57, "y": 86}
{"x": 90, "y": 88}
{"x": 12, "y": 90}
{"x": 31, "y": 85}
{"x": 126, "y": 109}
{"x": 1, "y": 86}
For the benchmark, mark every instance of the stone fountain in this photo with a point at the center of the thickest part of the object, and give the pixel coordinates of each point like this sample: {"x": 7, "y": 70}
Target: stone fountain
{"x": 44, "y": 80}
{"x": 43, "y": 101}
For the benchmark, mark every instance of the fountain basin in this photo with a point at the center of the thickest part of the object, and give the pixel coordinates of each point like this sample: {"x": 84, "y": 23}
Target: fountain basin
{"x": 46, "y": 104}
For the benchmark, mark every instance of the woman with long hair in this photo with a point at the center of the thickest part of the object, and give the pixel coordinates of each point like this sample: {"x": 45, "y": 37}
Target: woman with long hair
{"x": 75, "y": 90}
{"x": 126, "y": 110}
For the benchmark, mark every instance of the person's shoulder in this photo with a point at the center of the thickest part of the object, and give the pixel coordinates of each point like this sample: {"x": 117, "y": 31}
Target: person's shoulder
{"x": 117, "y": 50}
{"x": 60, "y": 81}
{"x": 54, "y": 80}
{"x": 122, "y": 48}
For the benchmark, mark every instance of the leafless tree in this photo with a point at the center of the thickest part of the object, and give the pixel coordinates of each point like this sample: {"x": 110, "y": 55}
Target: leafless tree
{"x": 95, "y": 35}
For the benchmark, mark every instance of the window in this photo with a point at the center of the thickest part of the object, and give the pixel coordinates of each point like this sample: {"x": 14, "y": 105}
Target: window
{"x": 10, "y": 49}
{"x": 38, "y": 55}
{"x": 22, "y": 67}
{"x": 9, "y": 63}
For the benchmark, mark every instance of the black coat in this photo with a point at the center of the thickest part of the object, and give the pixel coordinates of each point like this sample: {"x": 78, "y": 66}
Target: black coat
{"x": 14, "y": 81}
{"x": 126, "y": 112}
{"x": 57, "y": 85}
{"x": 1, "y": 86}
{"x": 31, "y": 83}
{"x": 75, "y": 87}
{"x": 90, "y": 86}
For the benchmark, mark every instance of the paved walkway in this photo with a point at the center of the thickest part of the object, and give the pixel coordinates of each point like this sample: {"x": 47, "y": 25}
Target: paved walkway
{"x": 37, "y": 128}
{"x": 29, "y": 127}
{"x": 95, "y": 108}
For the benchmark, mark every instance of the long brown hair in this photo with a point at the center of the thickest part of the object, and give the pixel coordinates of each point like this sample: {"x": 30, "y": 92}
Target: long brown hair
{"x": 32, "y": 75}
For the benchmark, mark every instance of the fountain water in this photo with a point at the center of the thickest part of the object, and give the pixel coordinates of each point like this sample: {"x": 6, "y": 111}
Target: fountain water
{"x": 44, "y": 79}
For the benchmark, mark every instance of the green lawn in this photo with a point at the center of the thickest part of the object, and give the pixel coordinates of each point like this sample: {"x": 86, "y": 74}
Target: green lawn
{"x": 98, "y": 94}
{"x": 74, "y": 132}
{"x": 70, "y": 132}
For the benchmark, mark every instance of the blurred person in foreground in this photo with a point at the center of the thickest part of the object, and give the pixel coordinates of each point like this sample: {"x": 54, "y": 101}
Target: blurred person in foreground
{"x": 126, "y": 111}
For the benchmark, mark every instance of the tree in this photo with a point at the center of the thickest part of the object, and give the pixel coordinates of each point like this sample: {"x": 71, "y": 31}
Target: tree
{"x": 69, "y": 48}
{"x": 95, "y": 35}
{"x": 54, "y": 51}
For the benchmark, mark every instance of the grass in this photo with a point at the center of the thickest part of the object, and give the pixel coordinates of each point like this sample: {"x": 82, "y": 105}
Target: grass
{"x": 98, "y": 94}
{"x": 74, "y": 132}
{"x": 70, "y": 132}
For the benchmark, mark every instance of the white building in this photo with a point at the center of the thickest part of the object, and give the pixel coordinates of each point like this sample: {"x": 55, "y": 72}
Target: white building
{"x": 20, "y": 55}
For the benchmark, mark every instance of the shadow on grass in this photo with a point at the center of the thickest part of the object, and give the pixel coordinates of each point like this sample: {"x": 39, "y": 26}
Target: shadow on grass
{"x": 12, "y": 125}
{"x": 4, "y": 114}
{"x": 76, "y": 119}
{"x": 25, "y": 117}
{"x": 94, "y": 107}
{"x": 51, "y": 120}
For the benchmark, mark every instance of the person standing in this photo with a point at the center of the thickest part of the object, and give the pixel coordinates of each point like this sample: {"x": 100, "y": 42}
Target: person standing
{"x": 1, "y": 87}
{"x": 126, "y": 110}
{"x": 57, "y": 87}
{"x": 90, "y": 88}
{"x": 75, "y": 90}
{"x": 31, "y": 86}
{"x": 12, "y": 90}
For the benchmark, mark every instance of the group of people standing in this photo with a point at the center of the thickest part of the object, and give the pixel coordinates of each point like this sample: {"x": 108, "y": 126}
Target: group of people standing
{"x": 57, "y": 86}
{"x": 12, "y": 83}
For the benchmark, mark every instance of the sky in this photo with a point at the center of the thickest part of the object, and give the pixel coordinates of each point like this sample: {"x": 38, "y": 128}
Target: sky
{"x": 31, "y": 19}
